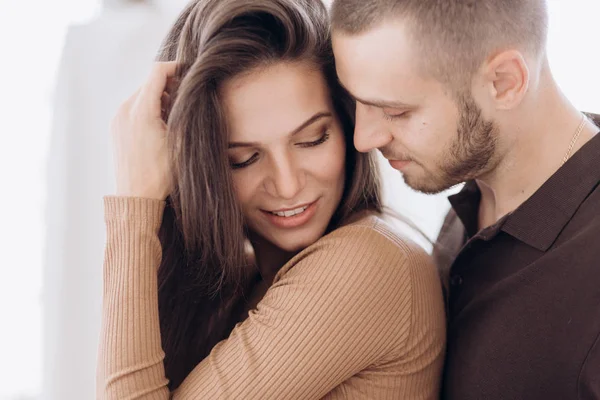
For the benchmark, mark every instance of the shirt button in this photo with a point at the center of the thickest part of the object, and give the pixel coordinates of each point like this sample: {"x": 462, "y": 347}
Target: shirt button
{"x": 456, "y": 280}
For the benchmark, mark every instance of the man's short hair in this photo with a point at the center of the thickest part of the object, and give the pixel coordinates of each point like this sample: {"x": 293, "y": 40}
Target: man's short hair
{"x": 453, "y": 36}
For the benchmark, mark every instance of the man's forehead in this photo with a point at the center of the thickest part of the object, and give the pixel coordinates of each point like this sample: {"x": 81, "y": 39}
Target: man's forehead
{"x": 396, "y": 29}
{"x": 385, "y": 46}
{"x": 370, "y": 68}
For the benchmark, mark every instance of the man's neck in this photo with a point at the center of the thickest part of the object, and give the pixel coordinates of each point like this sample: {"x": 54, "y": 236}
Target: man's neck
{"x": 536, "y": 153}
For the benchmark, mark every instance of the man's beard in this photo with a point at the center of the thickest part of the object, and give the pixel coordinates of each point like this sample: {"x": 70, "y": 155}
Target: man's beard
{"x": 470, "y": 155}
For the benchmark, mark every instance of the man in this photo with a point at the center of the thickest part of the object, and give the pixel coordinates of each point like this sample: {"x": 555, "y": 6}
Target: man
{"x": 454, "y": 91}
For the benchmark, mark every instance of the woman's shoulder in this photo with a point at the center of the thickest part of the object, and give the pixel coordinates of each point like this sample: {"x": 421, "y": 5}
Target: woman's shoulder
{"x": 368, "y": 265}
{"x": 369, "y": 243}
{"x": 374, "y": 234}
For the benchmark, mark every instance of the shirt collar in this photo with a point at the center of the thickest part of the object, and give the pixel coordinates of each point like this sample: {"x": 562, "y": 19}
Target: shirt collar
{"x": 541, "y": 218}
{"x": 466, "y": 205}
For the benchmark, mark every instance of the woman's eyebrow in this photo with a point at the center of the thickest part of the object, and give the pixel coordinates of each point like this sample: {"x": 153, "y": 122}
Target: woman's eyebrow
{"x": 304, "y": 125}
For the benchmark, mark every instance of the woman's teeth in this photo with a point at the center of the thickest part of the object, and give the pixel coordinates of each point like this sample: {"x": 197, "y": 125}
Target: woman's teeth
{"x": 290, "y": 213}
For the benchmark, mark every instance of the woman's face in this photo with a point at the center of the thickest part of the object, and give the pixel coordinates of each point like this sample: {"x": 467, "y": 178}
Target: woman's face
{"x": 287, "y": 152}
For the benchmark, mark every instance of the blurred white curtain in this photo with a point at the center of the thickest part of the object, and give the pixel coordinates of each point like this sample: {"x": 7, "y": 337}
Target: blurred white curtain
{"x": 103, "y": 62}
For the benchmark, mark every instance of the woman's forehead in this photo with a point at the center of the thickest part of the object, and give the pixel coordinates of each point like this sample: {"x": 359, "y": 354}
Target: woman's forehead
{"x": 273, "y": 101}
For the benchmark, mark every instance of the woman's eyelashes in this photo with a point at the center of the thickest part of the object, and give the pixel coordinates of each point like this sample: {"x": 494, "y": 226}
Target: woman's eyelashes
{"x": 322, "y": 139}
{"x": 244, "y": 164}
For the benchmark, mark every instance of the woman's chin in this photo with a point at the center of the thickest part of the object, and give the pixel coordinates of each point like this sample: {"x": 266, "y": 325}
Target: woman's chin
{"x": 293, "y": 246}
{"x": 296, "y": 243}
{"x": 291, "y": 241}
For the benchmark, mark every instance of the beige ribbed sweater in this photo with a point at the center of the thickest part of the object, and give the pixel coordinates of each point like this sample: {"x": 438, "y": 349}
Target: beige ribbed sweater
{"x": 357, "y": 315}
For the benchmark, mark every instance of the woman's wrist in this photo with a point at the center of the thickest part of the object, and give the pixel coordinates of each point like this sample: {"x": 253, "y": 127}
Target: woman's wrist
{"x": 134, "y": 208}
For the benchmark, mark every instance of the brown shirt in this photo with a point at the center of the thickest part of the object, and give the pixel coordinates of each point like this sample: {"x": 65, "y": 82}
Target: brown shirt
{"x": 524, "y": 294}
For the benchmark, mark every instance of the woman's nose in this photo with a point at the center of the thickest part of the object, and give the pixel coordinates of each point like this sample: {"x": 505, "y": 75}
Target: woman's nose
{"x": 286, "y": 178}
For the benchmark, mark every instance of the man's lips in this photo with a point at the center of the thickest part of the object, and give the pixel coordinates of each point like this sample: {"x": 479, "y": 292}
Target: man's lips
{"x": 399, "y": 164}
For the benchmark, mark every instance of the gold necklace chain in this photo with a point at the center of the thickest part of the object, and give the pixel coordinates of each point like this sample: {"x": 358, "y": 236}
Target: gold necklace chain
{"x": 574, "y": 139}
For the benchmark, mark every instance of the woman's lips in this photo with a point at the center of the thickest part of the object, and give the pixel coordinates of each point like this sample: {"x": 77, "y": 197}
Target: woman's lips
{"x": 293, "y": 221}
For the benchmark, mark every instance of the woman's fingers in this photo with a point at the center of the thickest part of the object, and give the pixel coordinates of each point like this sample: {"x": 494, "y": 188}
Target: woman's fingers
{"x": 165, "y": 106}
{"x": 139, "y": 132}
{"x": 128, "y": 104}
{"x": 149, "y": 99}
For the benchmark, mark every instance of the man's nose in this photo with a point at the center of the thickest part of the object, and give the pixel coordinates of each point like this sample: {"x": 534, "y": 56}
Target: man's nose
{"x": 369, "y": 133}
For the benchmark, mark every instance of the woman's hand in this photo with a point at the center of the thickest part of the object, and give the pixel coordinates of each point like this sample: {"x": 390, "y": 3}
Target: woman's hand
{"x": 139, "y": 136}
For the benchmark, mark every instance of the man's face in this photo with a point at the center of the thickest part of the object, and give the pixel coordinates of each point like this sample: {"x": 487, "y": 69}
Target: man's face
{"x": 435, "y": 138}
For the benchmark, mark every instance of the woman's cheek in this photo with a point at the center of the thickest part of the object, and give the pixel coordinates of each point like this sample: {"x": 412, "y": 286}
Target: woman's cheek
{"x": 243, "y": 187}
{"x": 332, "y": 161}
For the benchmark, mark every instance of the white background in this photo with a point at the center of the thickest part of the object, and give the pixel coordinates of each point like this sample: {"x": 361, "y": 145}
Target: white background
{"x": 32, "y": 37}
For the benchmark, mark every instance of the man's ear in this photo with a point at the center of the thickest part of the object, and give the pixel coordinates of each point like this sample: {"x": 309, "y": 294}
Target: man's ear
{"x": 506, "y": 77}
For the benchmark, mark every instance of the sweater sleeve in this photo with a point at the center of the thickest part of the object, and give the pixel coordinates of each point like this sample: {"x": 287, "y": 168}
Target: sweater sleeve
{"x": 130, "y": 359}
{"x": 345, "y": 304}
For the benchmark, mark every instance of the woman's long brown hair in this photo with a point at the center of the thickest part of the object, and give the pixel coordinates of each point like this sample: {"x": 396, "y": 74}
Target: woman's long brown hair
{"x": 205, "y": 270}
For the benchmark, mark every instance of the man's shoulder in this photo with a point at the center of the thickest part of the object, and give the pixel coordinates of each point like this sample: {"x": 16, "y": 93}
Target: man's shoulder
{"x": 584, "y": 227}
{"x": 449, "y": 241}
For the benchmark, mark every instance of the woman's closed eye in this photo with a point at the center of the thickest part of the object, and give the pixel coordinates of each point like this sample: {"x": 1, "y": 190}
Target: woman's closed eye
{"x": 246, "y": 163}
{"x": 324, "y": 137}
{"x": 251, "y": 160}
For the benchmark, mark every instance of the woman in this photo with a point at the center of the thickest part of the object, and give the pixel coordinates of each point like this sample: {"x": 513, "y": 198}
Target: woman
{"x": 246, "y": 257}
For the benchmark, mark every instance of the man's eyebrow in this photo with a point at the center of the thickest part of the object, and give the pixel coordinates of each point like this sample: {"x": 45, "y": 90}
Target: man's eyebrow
{"x": 375, "y": 102}
{"x": 304, "y": 125}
